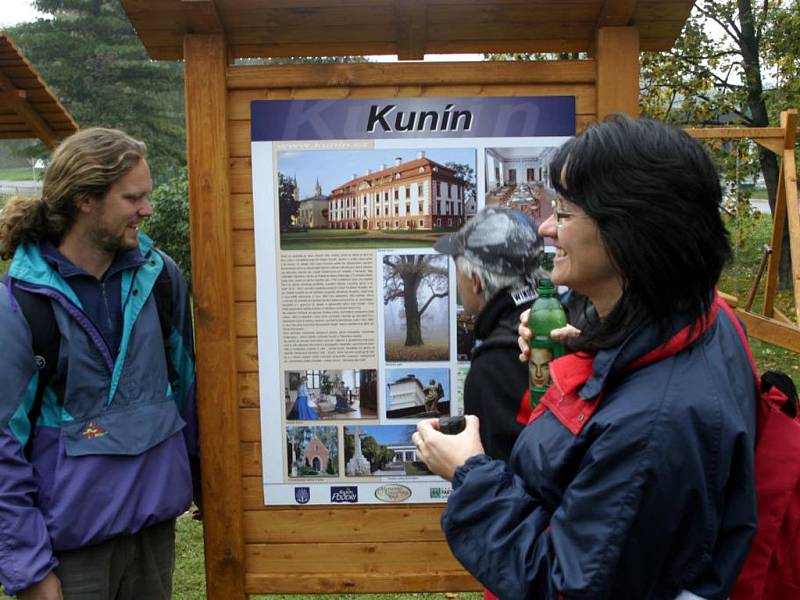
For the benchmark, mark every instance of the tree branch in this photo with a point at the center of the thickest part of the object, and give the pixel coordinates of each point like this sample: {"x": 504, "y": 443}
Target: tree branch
{"x": 431, "y": 299}
{"x": 734, "y": 34}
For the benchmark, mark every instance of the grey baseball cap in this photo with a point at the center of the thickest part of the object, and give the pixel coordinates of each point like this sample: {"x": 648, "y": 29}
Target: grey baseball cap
{"x": 500, "y": 240}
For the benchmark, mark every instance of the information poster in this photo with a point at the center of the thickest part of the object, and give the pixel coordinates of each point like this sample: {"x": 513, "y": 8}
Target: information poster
{"x": 360, "y": 330}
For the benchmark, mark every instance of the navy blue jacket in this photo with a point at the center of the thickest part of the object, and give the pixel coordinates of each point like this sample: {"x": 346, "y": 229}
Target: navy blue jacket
{"x": 634, "y": 478}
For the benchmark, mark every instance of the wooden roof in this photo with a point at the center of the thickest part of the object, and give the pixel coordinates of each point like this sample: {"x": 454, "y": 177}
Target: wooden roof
{"x": 28, "y": 109}
{"x": 408, "y": 28}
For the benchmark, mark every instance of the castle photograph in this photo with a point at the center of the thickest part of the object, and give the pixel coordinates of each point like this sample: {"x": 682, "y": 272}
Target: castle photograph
{"x": 374, "y": 198}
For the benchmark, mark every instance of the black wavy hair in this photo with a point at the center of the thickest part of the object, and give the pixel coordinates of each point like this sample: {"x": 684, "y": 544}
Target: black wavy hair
{"x": 654, "y": 194}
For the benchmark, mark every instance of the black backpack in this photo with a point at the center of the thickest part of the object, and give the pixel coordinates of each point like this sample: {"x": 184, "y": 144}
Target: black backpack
{"x": 46, "y": 338}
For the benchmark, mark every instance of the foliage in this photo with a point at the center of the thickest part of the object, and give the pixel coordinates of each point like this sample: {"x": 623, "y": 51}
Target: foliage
{"x": 738, "y": 279}
{"x": 720, "y": 72}
{"x": 377, "y": 455}
{"x": 403, "y": 276}
{"x": 288, "y": 206}
{"x": 89, "y": 54}
{"x": 169, "y": 225}
{"x": 309, "y": 60}
{"x": 467, "y": 173}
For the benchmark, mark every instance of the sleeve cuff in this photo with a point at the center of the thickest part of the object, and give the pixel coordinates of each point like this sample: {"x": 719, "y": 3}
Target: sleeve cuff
{"x": 471, "y": 463}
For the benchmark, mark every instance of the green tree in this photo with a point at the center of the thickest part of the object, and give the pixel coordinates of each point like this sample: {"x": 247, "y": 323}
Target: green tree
{"x": 718, "y": 73}
{"x": 467, "y": 173}
{"x": 169, "y": 225}
{"x": 377, "y": 455}
{"x": 91, "y": 57}
{"x": 287, "y": 205}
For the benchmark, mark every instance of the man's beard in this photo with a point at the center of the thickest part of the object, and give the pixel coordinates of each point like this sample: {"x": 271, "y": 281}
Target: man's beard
{"x": 111, "y": 242}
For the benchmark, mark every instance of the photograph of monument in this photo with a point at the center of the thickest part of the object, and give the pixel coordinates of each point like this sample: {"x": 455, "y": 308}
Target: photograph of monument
{"x": 373, "y": 198}
{"x": 381, "y": 451}
{"x": 312, "y": 451}
{"x": 415, "y": 307}
{"x": 322, "y": 394}
{"x": 417, "y": 393}
{"x": 519, "y": 178}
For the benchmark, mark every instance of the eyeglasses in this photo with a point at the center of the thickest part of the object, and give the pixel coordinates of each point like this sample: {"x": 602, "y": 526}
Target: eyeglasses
{"x": 562, "y": 215}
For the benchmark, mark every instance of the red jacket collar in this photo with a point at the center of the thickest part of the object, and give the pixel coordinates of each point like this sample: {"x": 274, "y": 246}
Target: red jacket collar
{"x": 571, "y": 372}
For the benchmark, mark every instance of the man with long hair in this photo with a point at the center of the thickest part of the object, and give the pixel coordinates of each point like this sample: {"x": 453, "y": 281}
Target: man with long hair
{"x": 97, "y": 427}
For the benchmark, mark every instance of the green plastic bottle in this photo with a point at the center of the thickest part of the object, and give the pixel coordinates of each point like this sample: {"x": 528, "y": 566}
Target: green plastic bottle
{"x": 546, "y": 315}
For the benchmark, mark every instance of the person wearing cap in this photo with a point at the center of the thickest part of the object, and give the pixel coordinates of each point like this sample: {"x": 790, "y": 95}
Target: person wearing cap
{"x": 497, "y": 256}
{"x": 635, "y": 476}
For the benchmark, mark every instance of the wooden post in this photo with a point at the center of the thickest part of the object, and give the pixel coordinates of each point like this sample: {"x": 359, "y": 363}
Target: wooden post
{"x": 617, "y": 54}
{"x": 785, "y": 205}
{"x": 789, "y": 182}
{"x": 212, "y": 269}
{"x": 776, "y": 243}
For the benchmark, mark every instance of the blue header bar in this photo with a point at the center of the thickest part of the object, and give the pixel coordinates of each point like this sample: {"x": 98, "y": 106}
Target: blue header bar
{"x": 398, "y": 118}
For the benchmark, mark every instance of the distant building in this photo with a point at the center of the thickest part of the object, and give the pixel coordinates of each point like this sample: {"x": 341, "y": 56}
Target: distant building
{"x": 407, "y": 393}
{"x": 419, "y": 194}
{"x": 407, "y": 398}
{"x": 316, "y": 455}
{"x": 313, "y": 211}
{"x": 403, "y": 452}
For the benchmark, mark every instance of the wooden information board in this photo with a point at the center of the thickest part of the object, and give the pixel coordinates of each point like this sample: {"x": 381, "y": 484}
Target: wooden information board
{"x": 252, "y": 548}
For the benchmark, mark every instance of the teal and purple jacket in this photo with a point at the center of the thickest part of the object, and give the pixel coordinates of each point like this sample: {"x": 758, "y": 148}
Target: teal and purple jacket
{"x": 114, "y": 448}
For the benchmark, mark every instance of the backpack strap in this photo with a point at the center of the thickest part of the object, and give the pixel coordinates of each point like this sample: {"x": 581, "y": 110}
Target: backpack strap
{"x": 770, "y": 379}
{"x": 46, "y": 341}
{"x": 162, "y": 293}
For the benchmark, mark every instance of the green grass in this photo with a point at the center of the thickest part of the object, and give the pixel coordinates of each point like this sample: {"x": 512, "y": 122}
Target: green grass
{"x": 349, "y": 239}
{"x": 748, "y": 236}
{"x": 353, "y": 244}
{"x": 431, "y": 351}
{"x": 17, "y": 173}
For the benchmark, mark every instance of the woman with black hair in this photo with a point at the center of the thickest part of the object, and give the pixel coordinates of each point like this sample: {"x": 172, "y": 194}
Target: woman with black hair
{"x": 634, "y": 478}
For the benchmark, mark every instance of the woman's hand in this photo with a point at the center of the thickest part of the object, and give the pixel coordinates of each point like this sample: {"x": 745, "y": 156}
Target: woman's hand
{"x": 445, "y": 453}
{"x": 524, "y": 336}
{"x": 562, "y": 334}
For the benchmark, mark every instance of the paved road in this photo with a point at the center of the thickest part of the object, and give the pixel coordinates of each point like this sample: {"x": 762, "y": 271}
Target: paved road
{"x": 760, "y": 205}
{"x": 20, "y": 187}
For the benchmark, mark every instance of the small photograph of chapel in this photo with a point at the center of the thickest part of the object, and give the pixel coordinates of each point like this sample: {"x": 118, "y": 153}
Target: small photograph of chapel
{"x": 519, "y": 178}
{"x": 373, "y": 198}
{"x": 417, "y": 393}
{"x": 381, "y": 451}
{"x": 312, "y": 451}
{"x": 331, "y": 394}
{"x": 416, "y": 309}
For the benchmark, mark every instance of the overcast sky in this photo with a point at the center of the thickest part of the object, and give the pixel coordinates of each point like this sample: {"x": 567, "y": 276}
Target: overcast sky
{"x": 17, "y": 11}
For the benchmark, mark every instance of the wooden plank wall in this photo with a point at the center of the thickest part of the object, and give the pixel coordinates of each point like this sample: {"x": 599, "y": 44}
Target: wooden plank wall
{"x": 365, "y": 548}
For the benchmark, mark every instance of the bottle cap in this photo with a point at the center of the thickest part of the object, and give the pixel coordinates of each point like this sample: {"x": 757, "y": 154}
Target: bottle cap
{"x": 545, "y": 287}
